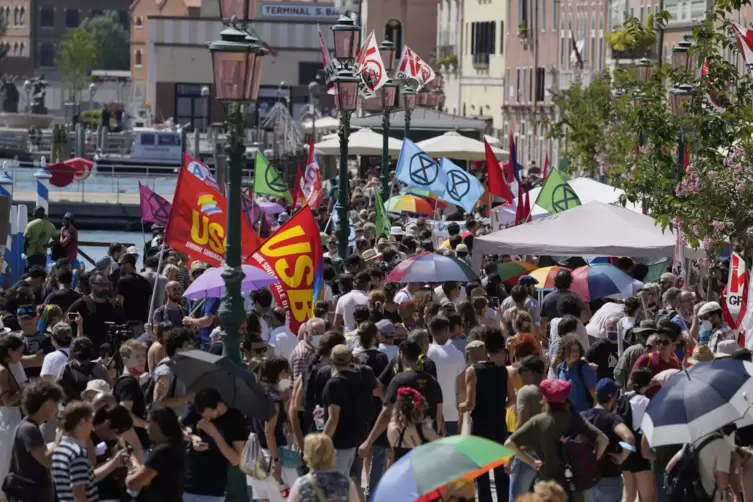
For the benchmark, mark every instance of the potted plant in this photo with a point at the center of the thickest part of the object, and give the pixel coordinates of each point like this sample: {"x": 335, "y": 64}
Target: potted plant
{"x": 633, "y": 40}
{"x": 522, "y": 30}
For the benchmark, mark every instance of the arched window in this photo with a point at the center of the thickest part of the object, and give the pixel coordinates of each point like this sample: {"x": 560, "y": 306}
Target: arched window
{"x": 21, "y": 49}
{"x": 139, "y": 22}
{"x": 15, "y": 16}
{"x": 138, "y": 61}
{"x": 22, "y": 16}
{"x": 393, "y": 31}
{"x": 594, "y": 57}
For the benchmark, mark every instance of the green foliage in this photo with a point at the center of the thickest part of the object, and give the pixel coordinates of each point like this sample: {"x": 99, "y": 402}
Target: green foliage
{"x": 633, "y": 35}
{"x": 112, "y": 41}
{"x": 75, "y": 59}
{"x": 91, "y": 119}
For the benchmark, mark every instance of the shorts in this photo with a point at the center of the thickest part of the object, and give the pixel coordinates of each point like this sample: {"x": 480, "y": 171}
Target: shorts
{"x": 635, "y": 463}
{"x": 263, "y": 489}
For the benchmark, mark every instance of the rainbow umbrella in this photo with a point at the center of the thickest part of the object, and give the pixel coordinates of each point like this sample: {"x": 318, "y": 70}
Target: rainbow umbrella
{"x": 425, "y": 194}
{"x": 545, "y": 276}
{"x": 421, "y": 474}
{"x": 593, "y": 282}
{"x": 511, "y": 270}
{"x": 431, "y": 267}
{"x": 409, "y": 204}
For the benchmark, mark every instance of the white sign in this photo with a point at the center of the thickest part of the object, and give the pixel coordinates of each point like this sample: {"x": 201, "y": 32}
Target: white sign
{"x": 314, "y": 12}
{"x": 735, "y": 284}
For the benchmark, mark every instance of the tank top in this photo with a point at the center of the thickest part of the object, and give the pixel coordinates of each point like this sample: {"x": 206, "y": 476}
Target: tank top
{"x": 491, "y": 393}
{"x": 399, "y": 449}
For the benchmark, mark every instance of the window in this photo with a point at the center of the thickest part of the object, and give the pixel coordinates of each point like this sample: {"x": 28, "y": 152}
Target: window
{"x": 502, "y": 37}
{"x": 562, "y": 51}
{"x": 7, "y": 15}
{"x": 71, "y": 18}
{"x": 393, "y": 31}
{"x": 593, "y": 42}
{"x": 307, "y": 71}
{"x": 517, "y": 87}
{"x": 191, "y": 107}
{"x": 148, "y": 139}
{"x": 22, "y": 16}
{"x": 484, "y": 35}
{"x": 139, "y": 22}
{"x": 523, "y": 12}
{"x": 46, "y": 17}
{"x": 138, "y": 58}
{"x": 555, "y": 14}
{"x": 21, "y": 49}
{"x": 46, "y": 54}
{"x": 530, "y": 85}
{"x": 171, "y": 139}
{"x": 509, "y": 15}
{"x": 15, "y": 16}
{"x": 540, "y": 83}
{"x": 525, "y": 87}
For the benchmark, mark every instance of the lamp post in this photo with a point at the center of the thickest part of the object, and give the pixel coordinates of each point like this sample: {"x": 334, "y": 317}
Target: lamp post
{"x": 313, "y": 92}
{"x": 680, "y": 97}
{"x": 237, "y": 60}
{"x": 345, "y": 33}
{"x": 408, "y": 102}
{"x": 422, "y": 97}
{"x": 386, "y": 96}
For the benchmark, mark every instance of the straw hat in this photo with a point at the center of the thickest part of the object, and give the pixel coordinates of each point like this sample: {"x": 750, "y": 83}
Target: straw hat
{"x": 701, "y": 354}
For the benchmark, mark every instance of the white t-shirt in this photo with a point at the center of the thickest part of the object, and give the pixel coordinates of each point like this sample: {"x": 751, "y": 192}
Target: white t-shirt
{"x": 283, "y": 340}
{"x": 54, "y": 362}
{"x": 402, "y": 296}
{"x": 450, "y": 363}
{"x": 390, "y": 350}
{"x": 347, "y": 304}
{"x": 596, "y": 324}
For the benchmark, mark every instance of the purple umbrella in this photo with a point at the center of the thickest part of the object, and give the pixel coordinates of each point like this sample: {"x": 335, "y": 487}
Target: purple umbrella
{"x": 211, "y": 285}
{"x": 270, "y": 207}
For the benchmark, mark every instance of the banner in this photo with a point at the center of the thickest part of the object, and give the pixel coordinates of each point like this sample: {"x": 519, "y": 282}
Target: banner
{"x": 293, "y": 254}
{"x": 370, "y": 68}
{"x": 154, "y": 207}
{"x": 411, "y": 66}
{"x": 197, "y": 224}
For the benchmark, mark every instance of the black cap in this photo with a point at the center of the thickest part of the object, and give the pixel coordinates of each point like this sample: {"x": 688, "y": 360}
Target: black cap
{"x": 532, "y": 363}
{"x": 647, "y": 327}
{"x": 39, "y": 212}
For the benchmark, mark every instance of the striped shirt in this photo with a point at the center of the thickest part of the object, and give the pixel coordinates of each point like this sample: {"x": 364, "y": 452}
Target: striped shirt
{"x": 70, "y": 468}
{"x": 301, "y": 358}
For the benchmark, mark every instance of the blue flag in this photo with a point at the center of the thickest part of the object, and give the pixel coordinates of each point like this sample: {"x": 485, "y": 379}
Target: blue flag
{"x": 462, "y": 189}
{"x": 416, "y": 168}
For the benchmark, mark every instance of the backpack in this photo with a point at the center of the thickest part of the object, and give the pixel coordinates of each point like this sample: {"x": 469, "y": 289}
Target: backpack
{"x": 253, "y": 462}
{"x": 582, "y": 468}
{"x": 625, "y": 411}
{"x": 148, "y": 387}
{"x": 74, "y": 378}
{"x": 683, "y": 482}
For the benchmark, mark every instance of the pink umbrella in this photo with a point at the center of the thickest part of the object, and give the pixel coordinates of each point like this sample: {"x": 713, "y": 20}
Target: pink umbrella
{"x": 211, "y": 284}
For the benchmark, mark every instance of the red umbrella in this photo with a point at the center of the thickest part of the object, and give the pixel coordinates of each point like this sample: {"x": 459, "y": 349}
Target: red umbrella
{"x": 62, "y": 174}
{"x": 83, "y": 167}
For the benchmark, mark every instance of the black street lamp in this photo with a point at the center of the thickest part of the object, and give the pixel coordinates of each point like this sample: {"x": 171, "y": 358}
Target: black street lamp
{"x": 237, "y": 60}
{"x": 680, "y": 98}
{"x": 422, "y": 97}
{"x": 408, "y": 102}
{"x": 645, "y": 70}
{"x": 386, "y": 96}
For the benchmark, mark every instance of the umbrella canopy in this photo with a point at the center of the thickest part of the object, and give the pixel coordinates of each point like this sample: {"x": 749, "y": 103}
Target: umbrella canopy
{"x": 362, "y": 142}
{"x": 82, "y": 166}
{"x": 409, "y": 204}
{"x": 492, "y": 140}
{"x": 545, "y": 276}
{"x": 211, "y": 284}
{"x": 420, "y": 475}
{"x": 270, "y": 207}
{"x": 238, "y": 387}
{"x": 597, "y": 281}
{"x": 699, "y": 401}
{"x": 511, "y": 270}
{"x": 456, "y": 146}
{"x": 321, "y": 124}
{"x": 432, "y": 267}
{"x": 425, "y": 194}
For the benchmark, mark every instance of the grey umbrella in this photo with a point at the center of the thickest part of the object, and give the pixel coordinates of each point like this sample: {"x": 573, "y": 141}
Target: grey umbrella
{"x": 238, "y": 387}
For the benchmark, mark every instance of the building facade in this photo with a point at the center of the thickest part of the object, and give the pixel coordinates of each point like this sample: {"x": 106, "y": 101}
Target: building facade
{"x": 448, "y": 53}
{"x": 16, "y": 14}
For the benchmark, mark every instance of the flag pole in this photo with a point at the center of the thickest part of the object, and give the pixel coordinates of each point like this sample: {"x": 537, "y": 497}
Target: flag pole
{"x": 152, "y": 302}
{"x": 143, "y": 234}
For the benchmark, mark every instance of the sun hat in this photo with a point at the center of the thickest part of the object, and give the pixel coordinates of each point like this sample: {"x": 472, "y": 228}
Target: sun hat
{"x": 370, "y": 255}
{"x": 701, "y": 354}
{"x": 95, "y": 388}
{"x": 725, "y": 348}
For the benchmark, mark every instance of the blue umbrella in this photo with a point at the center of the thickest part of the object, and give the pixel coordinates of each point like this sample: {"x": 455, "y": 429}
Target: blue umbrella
{"x": 432, "y": 267}
{"x": 699, "y": 401}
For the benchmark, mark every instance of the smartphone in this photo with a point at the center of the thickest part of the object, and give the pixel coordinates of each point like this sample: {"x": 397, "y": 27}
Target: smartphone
{"x": 494, "y": 302}
{"x": 72, "y": 316}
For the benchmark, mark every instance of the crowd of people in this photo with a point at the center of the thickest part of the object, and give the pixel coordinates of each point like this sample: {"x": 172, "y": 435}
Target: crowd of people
{"x": 90, "y": 409}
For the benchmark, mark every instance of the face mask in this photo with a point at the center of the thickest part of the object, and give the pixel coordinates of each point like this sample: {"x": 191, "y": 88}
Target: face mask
{"x": 315, "y": 340}
{"x": 612, "y": 335}
{"x": 284, "y": 384}
{"x": 707, "y": 325}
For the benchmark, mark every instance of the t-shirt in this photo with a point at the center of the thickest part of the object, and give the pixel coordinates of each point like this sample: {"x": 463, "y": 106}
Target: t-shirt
{"x": 582, "y": 378}
{"x": 347, "y": 304}
{"x": 37, "y": 234}
{"x": 53, "y": 363}
{"x": 63, "y": 298}
{"x": 656, "y": 364}
{"x": 136, "y": 292}
{"x": 282, "y": 418}
{"x": 32, "y": 345}
{"x": 606, "y": 421}
{"x": 206, "y": 472}
{"x": 450, "y": 363}
{"x": 95, "y": 315}
{"x": 168, "y": 459}
{"x": 71, "y": 468}
{"x": 28, "y": 437}
{"x": 351, "y": 390}
{"x": 210, "y": 307}
{"x": 170, "y": 315}
{"x": 549, "y": 304}
{"x": 603, "y": 353}
{"x": 127, "y": 388}
{"x": 529, "y": 396}
{"x": 421, "y": 381}
{"x": 424, "y": 364}
{"x": 714, "y": 457}
{"x": 163, "y": 369}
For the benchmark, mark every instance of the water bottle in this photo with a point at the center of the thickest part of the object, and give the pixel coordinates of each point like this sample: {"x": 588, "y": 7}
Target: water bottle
{"x": 319, "y": 418}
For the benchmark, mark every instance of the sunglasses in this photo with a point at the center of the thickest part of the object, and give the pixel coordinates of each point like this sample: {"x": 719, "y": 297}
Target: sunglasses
{"x": 663, "y": 343}
{"x": 259, "y": 350}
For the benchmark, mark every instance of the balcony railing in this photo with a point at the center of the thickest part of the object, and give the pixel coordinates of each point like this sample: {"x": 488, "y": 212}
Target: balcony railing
{"x": 481, "y": 60}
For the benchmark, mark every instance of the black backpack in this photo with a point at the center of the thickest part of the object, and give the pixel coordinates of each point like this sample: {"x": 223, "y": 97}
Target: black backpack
{"x": 74, "y": 378}
{"x": 683, "y": 482}
{"x": 625, "y": 411}
{"x": 148, "y": 387}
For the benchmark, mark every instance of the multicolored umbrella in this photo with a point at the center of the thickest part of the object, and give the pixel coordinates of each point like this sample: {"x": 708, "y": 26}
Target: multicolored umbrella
{"x": 593, "y": 282}
{"x": 425, "y": 194}
{"x": 409, "y": 204}
{"x": 545, "y": 276}
{"x": 211, "y": 284}
{"x": 432, "y": 267}
{"x": 511, "y": 270}
{"x": 421, "y": 474}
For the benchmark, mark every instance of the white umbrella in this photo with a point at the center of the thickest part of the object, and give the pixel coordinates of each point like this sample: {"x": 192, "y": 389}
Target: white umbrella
{"x": 492, "y": 140}
{"x": 362, "y": 142}
{"x": 456, "y": 146}
{"x": 321, "y": 124}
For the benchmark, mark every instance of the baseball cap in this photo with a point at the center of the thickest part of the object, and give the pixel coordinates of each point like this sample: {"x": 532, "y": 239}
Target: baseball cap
{"x": 725, "y": 348}
{"x": 708, "y": 308}
{"x": 385, "y": 327}
{"x": 341, "y": 355}
{"x": 461, "y": 248}
{"x": 555, "y": 390}
{"x": 527, "y": 280}
{"x": 605, "y": 389}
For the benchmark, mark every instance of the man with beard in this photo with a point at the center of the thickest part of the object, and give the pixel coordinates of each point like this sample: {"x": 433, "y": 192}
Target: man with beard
{"x": 97, "y": 308}
{"x": 172, "y": 311}
{"x": 134, "y": 293}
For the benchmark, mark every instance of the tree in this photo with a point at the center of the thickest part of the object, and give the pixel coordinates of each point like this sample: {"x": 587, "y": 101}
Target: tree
{"x": 112, "y": 41}
{"x": 75, "y": 59}
{"x": 625, "y": 129}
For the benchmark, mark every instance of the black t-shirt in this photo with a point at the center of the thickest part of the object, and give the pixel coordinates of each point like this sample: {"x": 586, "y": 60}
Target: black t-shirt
{"x": 206, "y": 473}
{"x": 112, "y": 486}
{"x": 282, "y": 419}
{"x": 32, "y": 345}
{"x": 424, "y": 363}
{"x": 377, "y": 361}
{"x": 26, "y": 438}
{"x": 136, "y": 292}
{"x": 549, "y": 305}
{"x": 127, "y": 388}
{"x": 351, "y": 390}
{"x": 95, "y": 315}
{"x": 22, "y": 284}
{"x": 63, "y": 298}
{"x": 606, "y": 421}
{"x": 315, "y": 383}
{"x": 169, "y": 460}
{"x": 421, "y": 381}
{"x": 603, "y": 353}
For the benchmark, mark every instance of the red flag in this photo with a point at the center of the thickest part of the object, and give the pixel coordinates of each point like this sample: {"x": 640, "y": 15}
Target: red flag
{"x": 496, "y": 182}
{"x": 62, "y": 174}
{"x": 685, "y": 160}
{"x": 546, "y": 168}
{"x": 299, "y": 200}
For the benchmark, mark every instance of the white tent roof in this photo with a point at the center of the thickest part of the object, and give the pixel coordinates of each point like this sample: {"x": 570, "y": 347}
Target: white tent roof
{"x": 322, "y": 124}
{"x": 593, "y": 229}
{"x": 456, "y": 146}
{"x": 587, "y": 190}
{"x": 362, "y": 142}
{"x": 493, "y": 141}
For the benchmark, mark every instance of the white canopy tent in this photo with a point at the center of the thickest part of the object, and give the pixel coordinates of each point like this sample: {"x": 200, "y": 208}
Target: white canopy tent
{"x": 456, "y": 146}
{"x": 593, "y": 229}
{"x": 492, "y": 140}
{"x": 362, "y": 142}
{"x": 322, "y": 125}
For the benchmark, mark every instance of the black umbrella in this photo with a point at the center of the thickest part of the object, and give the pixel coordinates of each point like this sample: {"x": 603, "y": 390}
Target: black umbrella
{"x": 238, "y": 387}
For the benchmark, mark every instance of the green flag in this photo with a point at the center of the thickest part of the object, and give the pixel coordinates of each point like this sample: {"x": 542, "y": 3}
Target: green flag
{"x": 267, "y": 179}
{"x": 382, "y": 222}
{"x": 557, "y": 195}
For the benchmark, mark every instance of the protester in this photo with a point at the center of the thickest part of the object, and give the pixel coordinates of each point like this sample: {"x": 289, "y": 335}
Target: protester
{"x": 322, "y": 482}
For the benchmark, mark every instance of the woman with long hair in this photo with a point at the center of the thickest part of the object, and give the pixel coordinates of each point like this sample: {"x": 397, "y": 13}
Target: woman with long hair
{"x": 323, "y": 483}
{"x": 637, "y": 475}
{"x": 160, "y": 478}
{"x": 468, "y": 313}
{"x": 12, "y": 378}
{"x": 578, "y": 372}
{"x": 408, "y": 427}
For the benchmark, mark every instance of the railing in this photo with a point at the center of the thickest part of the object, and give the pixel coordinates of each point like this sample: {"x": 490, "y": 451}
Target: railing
{"x": 481, "y": 60}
